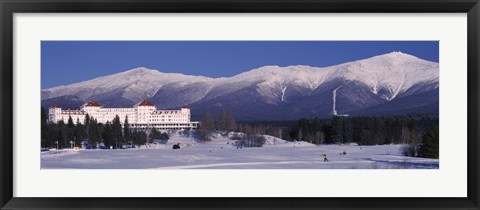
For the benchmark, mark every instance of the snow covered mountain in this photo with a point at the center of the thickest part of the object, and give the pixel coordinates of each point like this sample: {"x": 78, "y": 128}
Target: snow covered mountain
{"x": 393, "y": 83}
{"x": 129, "y": 87}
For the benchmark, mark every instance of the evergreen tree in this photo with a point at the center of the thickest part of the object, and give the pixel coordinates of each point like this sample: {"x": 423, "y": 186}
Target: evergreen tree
{"x": 347, "y": 130}
{"x": 87, "y": 123}
{"x": 415, "y": 136}
{"x": 59, "y": 143}
{"x": 69, "y": 133}
{"x": 70, "y": 122}
{"x": 430, "y": 143}
{"x": 126, "y": 130}
{"x": 43, "y": 116}
{"x": 337, "y": 128}
{"x": 108, "y": 137}
{"x": 93, "y": 134}
{"x": 154, "y": 135}
{"x": 62, "y": 134}
{"x": 44, "y": 135}
{"x": 117, "y": 132}
{"x": 80, "y": 133}
{"x": 139, "y": 137}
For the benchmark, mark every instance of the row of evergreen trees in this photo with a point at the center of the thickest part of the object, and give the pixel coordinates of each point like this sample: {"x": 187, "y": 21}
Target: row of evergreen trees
{"x": 111, "y": 134}
{"x": 419, "y": 132}
{"x": 361, "y": 130}
{"x": 364, "y": 130}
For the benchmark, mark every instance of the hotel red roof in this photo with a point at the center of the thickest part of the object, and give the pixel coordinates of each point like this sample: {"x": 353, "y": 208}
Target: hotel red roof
{"x": 186, "y": 106}
{"x": 145, "y": 103}
{"x": 56, "y": 106}
{"x": 92, "y": 103}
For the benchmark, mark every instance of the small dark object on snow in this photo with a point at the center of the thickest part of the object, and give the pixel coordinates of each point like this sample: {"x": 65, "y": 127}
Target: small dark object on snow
{"x": 325, "y": 159}
{"x": 176, "y": 146}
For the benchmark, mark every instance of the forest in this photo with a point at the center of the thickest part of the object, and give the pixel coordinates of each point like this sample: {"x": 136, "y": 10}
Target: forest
{"x": 420, "y": 133}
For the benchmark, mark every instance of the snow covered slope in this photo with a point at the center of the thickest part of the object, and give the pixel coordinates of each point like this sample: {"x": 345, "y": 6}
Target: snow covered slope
{"x": 263, "y": 93}
{"x": 133, "y": 85}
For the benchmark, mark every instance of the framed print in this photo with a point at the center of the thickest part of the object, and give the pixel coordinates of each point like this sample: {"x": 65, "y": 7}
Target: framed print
{"x": 239, "y": 105}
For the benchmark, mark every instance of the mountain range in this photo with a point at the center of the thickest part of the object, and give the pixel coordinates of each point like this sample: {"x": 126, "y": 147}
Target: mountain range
{"x": 390, "y": 84}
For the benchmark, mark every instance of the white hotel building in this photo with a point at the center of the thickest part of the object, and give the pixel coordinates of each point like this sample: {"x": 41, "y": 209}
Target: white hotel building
{"x": 143, "y": 115}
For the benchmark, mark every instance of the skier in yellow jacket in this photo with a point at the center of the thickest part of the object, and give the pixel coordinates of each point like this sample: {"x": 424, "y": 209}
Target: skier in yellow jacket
{"x": 325, "y": 159}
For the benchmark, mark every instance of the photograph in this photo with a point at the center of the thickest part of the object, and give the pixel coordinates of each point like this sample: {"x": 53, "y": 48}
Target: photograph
{"x": 240, "y": 105}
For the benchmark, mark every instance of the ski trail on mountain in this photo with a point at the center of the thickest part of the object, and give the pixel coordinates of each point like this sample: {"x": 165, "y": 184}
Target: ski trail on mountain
{"x": 335, "y": 100}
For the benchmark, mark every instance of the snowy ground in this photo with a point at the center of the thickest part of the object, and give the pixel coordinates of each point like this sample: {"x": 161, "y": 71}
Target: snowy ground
{"x": 220, "y": 153}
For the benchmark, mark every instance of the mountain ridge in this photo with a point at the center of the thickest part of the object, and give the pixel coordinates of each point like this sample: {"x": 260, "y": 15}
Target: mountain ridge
{"x": 378, "y": 79}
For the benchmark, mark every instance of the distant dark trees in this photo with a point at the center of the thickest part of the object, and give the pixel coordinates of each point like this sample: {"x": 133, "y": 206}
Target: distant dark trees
{"x": 55, "y": 135}
{"x": 126, "y": 131}
{"x": 278, "y": 129}
{"x": 117, "y": 132}
{"x": 206, "y": 127}
{"x": 414, "y": 131}
{"x": 44, "y": 136}
{"x": 80, "y": 133}
{"x": 363, "y": 130}
{"x": 139, "y": 137}
{"x": 111, "y": 134}
{"x": 251, "y": 136}
{"x": 155, "y": 135}
{"x": 430, "y": 144}
{"x": 223, "y": 122}
{"x": 108, "y": 137}
{"x": 95, "y": 134}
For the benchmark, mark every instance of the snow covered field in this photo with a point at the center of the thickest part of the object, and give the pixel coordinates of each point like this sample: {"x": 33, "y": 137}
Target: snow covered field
{"x": 220, "y": 153}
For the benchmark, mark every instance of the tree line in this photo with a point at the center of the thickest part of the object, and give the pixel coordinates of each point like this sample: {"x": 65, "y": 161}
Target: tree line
{"x": 111, "y": 134}
{"x": 363, "y": 130}
{"x": 418, "y": 132}
{"x": 223, "y": 122}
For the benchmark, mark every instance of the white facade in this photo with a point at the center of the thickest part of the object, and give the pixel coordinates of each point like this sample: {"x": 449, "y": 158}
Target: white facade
{"x": 143, "y": 115}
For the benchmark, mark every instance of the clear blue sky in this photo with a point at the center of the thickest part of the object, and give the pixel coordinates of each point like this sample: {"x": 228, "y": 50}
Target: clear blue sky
{"x": 65, "y": 62}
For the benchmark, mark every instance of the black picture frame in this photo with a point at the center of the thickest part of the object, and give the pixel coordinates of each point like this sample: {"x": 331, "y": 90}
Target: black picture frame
{"x": 10, "y": 7}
